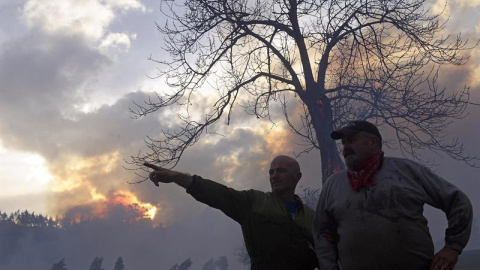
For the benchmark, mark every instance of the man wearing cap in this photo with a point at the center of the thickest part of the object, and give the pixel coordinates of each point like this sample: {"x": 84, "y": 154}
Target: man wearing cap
{"x": 370, "y": 216}
{"x": 276, "y": 226}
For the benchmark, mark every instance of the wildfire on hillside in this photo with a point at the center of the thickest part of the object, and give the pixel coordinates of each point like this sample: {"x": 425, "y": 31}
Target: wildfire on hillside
{"x": 121, "y": 205}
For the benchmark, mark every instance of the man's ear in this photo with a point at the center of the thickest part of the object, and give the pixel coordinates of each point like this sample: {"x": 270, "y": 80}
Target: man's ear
{"x": 299, "y": 176}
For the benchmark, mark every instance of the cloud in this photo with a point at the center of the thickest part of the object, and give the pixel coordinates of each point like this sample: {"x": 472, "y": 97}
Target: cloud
{"x": 460, "y": 15}
{"x": 466, "y": 3}
{"x": 42, "y": 82}
{"x": 116, "y": 41}
{"x": 441, "y": 7}
{"x": 125, "y": 4}
{"x": 473, "y": 67}
{"x": 88, "y": 19}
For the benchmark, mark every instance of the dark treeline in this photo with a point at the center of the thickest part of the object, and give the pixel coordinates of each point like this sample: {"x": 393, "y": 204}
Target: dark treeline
{"x": 95, "y": 265}
{"x": 27, "y": 219}
{"x": 220, "y": 264}
{"x": 20, "y": 229}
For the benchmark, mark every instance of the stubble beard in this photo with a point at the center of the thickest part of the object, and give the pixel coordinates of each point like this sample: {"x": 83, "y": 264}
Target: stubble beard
{"x": 350, "y": 158}
{"x": 350, "y": 162}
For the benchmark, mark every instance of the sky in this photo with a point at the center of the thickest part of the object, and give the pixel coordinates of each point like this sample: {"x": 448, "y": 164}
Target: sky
{"x": 70, "y": 70}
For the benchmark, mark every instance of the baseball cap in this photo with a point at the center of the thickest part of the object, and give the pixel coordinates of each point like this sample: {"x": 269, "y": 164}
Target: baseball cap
{"x": 353, "y": 128}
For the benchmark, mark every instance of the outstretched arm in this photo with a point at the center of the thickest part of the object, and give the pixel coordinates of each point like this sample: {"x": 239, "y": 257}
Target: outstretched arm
{"x": 162, "y": 175}
{"x": 230, "y": 201}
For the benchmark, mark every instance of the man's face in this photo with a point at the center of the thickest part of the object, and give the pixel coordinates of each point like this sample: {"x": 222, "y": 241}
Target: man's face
{"x": 284, "y": 175}
{"x": 357, "y": 147}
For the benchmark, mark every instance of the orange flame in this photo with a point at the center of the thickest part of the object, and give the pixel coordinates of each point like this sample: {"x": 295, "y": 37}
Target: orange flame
{"x": 127, "y": 198}
{"x": 121, "y": 204}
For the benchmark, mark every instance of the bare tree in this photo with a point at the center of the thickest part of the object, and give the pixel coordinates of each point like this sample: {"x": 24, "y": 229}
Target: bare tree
{"x": 342, "y": 59}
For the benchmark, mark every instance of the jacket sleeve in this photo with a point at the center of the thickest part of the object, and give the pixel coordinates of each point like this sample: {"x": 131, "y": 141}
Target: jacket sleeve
{"x": 231, "y": 202}
{"x": 456, "y": 205}
{"x": 325, "y": 234}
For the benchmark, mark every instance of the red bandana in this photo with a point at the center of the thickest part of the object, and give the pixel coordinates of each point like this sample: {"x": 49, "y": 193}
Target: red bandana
{"x": 363, "y": 173}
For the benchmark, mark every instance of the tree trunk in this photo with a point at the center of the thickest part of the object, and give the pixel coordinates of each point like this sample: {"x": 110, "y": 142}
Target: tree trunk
{"x": 322, "y": 121}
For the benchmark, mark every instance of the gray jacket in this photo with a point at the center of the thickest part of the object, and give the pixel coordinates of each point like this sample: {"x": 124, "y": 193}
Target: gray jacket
{"x": 383, "y": 227}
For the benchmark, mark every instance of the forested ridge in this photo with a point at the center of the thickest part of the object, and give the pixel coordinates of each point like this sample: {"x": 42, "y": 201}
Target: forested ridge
{"x": 44, "y": 234}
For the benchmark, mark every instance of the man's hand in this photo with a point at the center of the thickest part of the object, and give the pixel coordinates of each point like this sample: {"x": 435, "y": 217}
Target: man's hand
{"x": 159, "y": 174}
{"x": 445, "y": 259}
{"x": 162, "y": 175}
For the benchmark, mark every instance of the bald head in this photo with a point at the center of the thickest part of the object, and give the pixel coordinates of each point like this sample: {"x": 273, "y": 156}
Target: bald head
{"x": 284, "y": 175}
{"x": 288, "y": 161}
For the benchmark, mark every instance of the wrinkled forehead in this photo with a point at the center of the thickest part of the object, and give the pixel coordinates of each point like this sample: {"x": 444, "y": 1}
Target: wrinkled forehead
{"x": 284, "y": 162}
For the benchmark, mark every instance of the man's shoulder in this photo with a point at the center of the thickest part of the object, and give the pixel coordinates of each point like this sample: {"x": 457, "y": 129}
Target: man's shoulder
{"x": 258, "y": 195}
{"x": 401, "y": 163}
{"x": 335, "y": 178}
{"x": 257, "y": 192}
{"x": 398, "y": 160}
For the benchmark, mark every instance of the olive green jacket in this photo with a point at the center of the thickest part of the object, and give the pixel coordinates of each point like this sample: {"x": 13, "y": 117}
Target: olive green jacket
{"x": 273, "y": 239}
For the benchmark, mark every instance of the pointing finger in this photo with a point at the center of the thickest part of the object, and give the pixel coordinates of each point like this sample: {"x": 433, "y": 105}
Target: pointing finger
{"x": 152, "y": 166}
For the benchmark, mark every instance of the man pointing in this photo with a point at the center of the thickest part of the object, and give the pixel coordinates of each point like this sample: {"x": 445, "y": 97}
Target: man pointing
{"x": 276, "y": 225}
